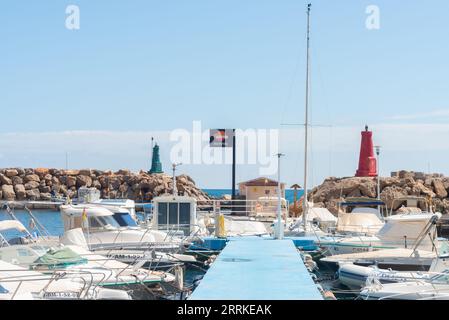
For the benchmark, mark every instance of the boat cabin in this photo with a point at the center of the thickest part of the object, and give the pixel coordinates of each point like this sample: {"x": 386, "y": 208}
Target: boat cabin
{"x": 410, "y": 204}
{"x": 360, "y": 216}
{"x": 95, "y": 218}
{"x": 93, "y": 196}
{"x": 174, "y": 213}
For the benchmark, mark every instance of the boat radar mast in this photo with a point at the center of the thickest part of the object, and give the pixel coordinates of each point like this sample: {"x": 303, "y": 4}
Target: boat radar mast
{"x": 306, "y": 123}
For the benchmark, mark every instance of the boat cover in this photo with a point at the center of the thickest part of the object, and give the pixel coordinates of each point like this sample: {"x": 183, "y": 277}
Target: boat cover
{"x": 359, "y": 222}
{"x": 60, "y": 258}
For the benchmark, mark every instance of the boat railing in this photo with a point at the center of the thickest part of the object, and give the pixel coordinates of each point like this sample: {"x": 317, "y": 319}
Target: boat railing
{"x": 248, "y": 208}
{"x": 119, "y": 232}
{"x": 428, "y": 291}
{"x": 57, "y": 274}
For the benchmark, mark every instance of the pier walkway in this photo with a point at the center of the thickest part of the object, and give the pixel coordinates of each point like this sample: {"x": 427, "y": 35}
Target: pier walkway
{"x": 255, "y": 268}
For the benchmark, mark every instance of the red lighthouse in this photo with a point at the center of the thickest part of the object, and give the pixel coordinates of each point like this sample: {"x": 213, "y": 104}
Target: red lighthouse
{"x": 367, "y": 160}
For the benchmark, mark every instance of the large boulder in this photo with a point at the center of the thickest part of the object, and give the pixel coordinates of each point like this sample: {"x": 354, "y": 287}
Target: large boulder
{"x": 44, "y": 189}
{"x": 419, "y": 189}
{"x": 32, "y": 177}
{"x": 70, "y": 172}
{"x": 41, "y": 172}
{"x": 33, "y": 194}
{"x": 8, "y": 192}
{"x": 389, "y": 194}
{"x": 55, "y": 181}
{"x": 17, "y": 180}
{"x": 438, "y": 186}
{"x": 45, "y": 196}
{"x": 83, "y": 181}
{"x": 70, "y": 181}
{"x": 32, "y": 185}
{"x": 20, "y": 191}
{"x": 5, "y": 180}
{"x": 85, "y": 172}
{"x": 388, "y": 182}
{"x": 11, "y": 172}
{"x": 368, "y": 188}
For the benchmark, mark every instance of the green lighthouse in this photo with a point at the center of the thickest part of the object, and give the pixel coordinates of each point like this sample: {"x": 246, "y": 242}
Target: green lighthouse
{"x": 156, "y": 165}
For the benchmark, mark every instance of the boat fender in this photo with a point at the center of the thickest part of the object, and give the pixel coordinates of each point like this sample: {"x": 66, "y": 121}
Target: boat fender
{"x": 328, "y": 295}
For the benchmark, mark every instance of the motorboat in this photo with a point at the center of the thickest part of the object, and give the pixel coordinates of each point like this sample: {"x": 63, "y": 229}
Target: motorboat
{"x": 73, "y": 256}
{"x": 356, "y": 276}
{"x": 114, "y": 233}
{"x": 435, "y": 289}
{"x": 319, "y": 220}
{"x": 357, "y": 216}
{"x": 20, "y": 283}
{"x": 399, "y": 231}
{"x": 102, "y": 231}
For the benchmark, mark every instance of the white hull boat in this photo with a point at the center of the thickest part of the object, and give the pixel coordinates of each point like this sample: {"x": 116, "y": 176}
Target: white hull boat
{"x": 396, "y": 259}
{"x": 356, "y": 277}
{"x": 19, "y": 283}
{"x": 412, "y": 290}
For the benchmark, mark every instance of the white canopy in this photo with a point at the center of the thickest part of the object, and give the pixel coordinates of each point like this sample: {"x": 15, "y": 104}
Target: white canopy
{"x": 77, "y": 210}
{"x": 11, "y": 224}
{"x": 360, "y": 222}
{"x": 399, "y": 227}
{"x": 321, "y": 214}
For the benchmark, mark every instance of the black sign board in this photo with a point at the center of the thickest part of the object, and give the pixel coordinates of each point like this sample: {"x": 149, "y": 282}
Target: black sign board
{"x": 221, "y": 138}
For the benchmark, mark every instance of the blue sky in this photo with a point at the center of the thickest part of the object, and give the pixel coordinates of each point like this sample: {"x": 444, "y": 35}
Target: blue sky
{"x": 142, "y": 68}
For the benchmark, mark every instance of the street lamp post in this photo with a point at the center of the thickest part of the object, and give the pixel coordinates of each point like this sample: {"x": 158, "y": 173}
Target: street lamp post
{"x": 378, "y": 175}
{"x": 175, "y": 190}
{"x": 279, "y": 234}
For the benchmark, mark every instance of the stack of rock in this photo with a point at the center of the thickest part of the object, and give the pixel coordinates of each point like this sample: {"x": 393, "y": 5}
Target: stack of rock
{"x": 17, "y": 184}
{"x": 400, "y": 184}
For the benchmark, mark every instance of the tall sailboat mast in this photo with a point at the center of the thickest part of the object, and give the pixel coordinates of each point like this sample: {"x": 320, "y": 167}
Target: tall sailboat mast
{"x": 306, "y": 124}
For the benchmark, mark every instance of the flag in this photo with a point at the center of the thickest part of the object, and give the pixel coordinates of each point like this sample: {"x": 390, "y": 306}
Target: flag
{"x": 84, "y": 214}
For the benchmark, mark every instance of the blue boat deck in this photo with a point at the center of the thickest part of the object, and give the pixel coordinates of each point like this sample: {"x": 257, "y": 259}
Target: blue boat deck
{"x": 255, "y": 268}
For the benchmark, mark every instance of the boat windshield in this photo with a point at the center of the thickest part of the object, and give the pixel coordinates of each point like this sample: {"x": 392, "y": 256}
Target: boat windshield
{"x": 124, "y": 219}
{"x": 107, "y": 222}
{"x": 441, "y": 278}
{"x": 3, "y": 289}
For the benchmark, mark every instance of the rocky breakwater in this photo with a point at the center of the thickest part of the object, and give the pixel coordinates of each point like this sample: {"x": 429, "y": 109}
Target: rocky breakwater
{"x": 41, "y": 184}
{"x": 400, "y": 184}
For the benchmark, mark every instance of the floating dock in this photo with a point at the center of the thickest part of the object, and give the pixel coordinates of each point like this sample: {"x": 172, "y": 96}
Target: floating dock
{"x": 257, "y": 268}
